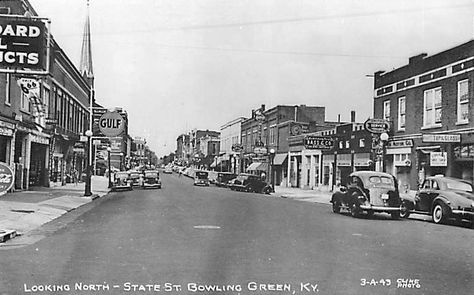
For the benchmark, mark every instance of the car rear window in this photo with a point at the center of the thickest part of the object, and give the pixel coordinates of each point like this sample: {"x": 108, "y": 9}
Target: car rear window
{"x": 381, "y": 180}
{"x": 151, "y": 174}
{"x": 458, "y": 185}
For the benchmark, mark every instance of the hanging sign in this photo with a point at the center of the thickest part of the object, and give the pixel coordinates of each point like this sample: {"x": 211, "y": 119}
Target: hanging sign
{"x": 377, "y": 126}
{"x": 6, "y": 178}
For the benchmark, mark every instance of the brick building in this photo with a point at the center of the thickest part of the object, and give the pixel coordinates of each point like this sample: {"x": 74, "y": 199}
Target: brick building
{"x": 429, "y": 103}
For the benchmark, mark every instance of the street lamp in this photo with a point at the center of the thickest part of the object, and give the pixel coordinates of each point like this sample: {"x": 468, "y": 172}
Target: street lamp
{"x": 384, "y": 139}
{"x": 109, "y": 149}
{"x": 88, "y": 191}
{"x": 272, "y": 176}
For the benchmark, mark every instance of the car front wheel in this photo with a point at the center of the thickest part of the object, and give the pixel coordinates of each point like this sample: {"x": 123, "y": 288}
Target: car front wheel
{"x": 440, "y": 213}
{"x": 395, "y": 214}
{"x": 355, "y": 210}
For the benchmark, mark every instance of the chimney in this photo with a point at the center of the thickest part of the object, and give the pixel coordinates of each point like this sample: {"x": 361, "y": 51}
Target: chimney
{"x": 262, "y": 107}
{"x": 338, "y": 118}
{"x": 353, "y": 116}
{"x": 417, "y": 58}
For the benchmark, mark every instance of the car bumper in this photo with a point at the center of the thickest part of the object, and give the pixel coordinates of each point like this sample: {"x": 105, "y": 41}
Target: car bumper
{"x": 152, "y": 185}
{"x": 463, "y": 212}
{"x": 380, "y": 208}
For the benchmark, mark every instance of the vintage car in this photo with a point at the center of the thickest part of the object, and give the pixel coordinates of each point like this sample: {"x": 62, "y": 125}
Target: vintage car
{"x": 168, "y": 170}
{"x": 151, "y": 178}
{"x": 223, "y": 178}
{"x": 135, "y": 177}
{"x": 443, "y": 198}
{"x": 368, "y": 191}
{"x": 249, "y": 183}
{"x": 201, "y": 178}
{"x": 122, "y": 181}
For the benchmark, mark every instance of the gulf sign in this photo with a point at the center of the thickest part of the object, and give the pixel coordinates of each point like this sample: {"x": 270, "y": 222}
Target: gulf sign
{"x": 111, "y": 124}
{"x": 22, "y": 43}
{"x": 6, "y": 178}
{"x": 377, "y": 125}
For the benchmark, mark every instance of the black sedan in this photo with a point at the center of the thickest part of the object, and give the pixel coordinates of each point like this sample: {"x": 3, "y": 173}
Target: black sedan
{"x": 443, "y": 198}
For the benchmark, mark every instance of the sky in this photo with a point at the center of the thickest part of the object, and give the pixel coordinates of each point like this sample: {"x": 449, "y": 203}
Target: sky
{"x": 176, "y": 65}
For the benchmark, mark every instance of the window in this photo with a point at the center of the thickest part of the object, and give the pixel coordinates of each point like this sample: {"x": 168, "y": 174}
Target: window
{"x": 401, "y": 113}
{"x": 432, "y": 108}
{"x": 362, "y": 142}
{"x": 348, "y": 145}
{"x": 386, "y": 110}
{"x": 272, "y": 135}
{"x": 8, "y": 80}
{"x": 463, "y": 102}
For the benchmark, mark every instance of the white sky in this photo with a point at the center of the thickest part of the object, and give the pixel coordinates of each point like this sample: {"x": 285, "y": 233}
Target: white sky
{"x": 175, "y": 65}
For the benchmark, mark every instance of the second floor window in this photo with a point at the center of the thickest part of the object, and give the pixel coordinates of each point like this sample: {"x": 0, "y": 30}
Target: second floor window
{"x": 463, "y": 101}
{"x": 25, "y": 103}
{"x": 272, "y": 135}
{"x": 386, "y": 110}
{"x": 401, "y": 113}
{"x": 432, "y": 108}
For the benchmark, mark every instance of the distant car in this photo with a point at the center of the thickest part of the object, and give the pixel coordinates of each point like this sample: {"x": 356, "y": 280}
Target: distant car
{"x": 249, "y": 183}
{"x": 443, "y": 198}
{"x": 122, "y": 181}
{"x": 201, "y": 178}
{"x": 168, "y": 170}
{"x": 371, "y": 192}
{"x": 223, "y": 178}
{"x": 151, "y": 178}
{"x": 135, "y": 177}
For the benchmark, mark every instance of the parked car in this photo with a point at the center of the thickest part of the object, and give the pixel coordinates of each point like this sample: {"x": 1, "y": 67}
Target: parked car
{"x": 371, "y": 192}
{"x": 249, "y": 183}
{"x": 443, "y": 198}
{"x": 223, "y": 178}
{"x": 151, "y": 178}
{"x": 168, "y": 170}
{"x": 201, "y": 178}
{"x": 122, "y": 181}
{"x": 135, "y": 177}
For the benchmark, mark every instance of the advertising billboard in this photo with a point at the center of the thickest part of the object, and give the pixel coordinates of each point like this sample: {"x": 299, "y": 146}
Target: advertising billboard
{"x": 23, "y": 44}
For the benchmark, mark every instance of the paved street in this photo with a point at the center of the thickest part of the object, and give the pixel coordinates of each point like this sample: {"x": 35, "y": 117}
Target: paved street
{"x": 186, "y": 239}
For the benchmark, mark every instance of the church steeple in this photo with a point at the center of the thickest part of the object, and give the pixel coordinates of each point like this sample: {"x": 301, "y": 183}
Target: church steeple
{"x": 85, "y": 66}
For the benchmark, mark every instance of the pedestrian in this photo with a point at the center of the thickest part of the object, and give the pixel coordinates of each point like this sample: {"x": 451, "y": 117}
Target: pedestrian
{"x": 75, "y": 176}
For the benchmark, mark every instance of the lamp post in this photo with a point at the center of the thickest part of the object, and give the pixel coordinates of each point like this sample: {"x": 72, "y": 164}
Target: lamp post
{"x": 109, "y": 149}
{"x": 88, "y": 191}
{"x": 272, "y": 176}
{"x": 384, "y": 139}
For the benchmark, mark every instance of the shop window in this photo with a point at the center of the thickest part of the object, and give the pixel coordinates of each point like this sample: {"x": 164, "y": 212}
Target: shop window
{"x": 432, "y": 108}
{"x": 463, "y": 102}
{"x": 386, "y": 110}
{"x": 401, "y": 113}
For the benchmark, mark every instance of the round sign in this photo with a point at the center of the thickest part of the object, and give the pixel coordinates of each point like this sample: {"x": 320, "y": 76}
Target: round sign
{"x": 6, "y": 178}
{"x": 111, "y": 124}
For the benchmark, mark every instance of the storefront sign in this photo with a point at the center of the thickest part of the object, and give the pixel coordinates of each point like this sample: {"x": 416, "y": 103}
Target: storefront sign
{"x": 400, "y": 143}
{"x": 237, "y": 147}
{"x": 6, "y": 131}
{"x": 441, "y": 138}
{"x": 39, "y": 139}
{"x": 377, "y": 125}
{"x": 7, "y": 125}
{"x": 260, "y": 150}
{"x": 438, "y": 159}
{"x": 22, "y": 43}
{"x": 318, "y": 142}
{"x": 6, "y": 178}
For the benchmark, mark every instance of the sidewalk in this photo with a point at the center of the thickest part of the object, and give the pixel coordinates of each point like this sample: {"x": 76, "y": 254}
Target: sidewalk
{"x": 23, "y": 211}
{"x": 314, "y": 196}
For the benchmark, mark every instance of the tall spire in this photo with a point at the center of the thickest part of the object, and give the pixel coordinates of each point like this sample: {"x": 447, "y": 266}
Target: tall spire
{"x": 85, "y": 66}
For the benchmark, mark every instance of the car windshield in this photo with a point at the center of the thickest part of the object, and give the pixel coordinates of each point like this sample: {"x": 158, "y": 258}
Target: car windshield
{"x": 135, "y": 175}
{"x": 381, "y": 181}
{"x": 458, "y": 185}
{"x": 242, "y": 177}
{"x": 151, "y": 174}
{"x": 201, "y": 175}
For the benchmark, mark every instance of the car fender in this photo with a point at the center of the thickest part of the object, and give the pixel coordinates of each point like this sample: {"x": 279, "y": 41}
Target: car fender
{"x": 441, "y": 199}
{"x": 337, "y": 196}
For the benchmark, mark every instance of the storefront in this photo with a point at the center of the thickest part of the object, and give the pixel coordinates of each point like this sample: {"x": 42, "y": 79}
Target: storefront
{"x": 398, "y": 161}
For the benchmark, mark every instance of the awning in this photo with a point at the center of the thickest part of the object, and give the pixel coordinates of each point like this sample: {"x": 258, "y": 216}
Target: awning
{"x": 428, "y": 149}
{"x": 279, "y": 159}
{"x": 253, "y": 166}
{"x": 262, "y": 167}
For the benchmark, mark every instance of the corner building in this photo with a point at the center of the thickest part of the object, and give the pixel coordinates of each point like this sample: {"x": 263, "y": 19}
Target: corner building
{"x": 429, "y": 103}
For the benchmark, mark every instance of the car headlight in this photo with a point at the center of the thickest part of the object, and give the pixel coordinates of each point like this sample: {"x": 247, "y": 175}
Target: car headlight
{"x": 472, "y": 204}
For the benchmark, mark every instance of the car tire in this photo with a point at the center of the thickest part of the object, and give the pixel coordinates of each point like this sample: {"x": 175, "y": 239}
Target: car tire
{"x": 440, "y": 213}
{"x": 336, "y": 207}
{"x": 395, "y": 214}
{"x": 267, "y": 190}
{"x": 355, "y": 210}
{"x": 370, "y": 214}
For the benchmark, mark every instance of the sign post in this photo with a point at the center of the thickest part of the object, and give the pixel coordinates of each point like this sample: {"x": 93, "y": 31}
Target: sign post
{"x": 6, "y": 178}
